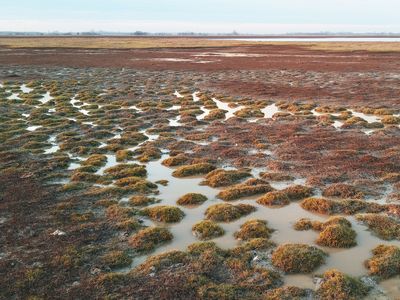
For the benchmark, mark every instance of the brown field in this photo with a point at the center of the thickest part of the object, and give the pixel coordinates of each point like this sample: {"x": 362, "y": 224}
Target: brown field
{"x": 180, "y": 42}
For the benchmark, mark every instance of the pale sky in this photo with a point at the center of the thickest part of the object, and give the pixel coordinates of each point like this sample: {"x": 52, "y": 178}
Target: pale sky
{"x": 211, "y": 16}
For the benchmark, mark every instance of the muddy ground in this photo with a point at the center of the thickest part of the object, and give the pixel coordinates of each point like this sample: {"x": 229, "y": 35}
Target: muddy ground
{"x": 72, "y": 226}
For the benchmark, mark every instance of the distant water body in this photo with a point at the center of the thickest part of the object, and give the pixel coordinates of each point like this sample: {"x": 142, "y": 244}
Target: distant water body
{"x": 318, "y": 39}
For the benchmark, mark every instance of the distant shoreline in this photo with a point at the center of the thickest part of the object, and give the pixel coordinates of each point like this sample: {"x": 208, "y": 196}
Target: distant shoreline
{"x": 199, "y": 36}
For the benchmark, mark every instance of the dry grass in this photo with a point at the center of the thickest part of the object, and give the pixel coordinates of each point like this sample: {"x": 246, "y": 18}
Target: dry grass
{"x": 173, "y": 42}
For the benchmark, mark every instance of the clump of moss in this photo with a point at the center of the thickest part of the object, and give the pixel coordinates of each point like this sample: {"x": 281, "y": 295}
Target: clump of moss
{"x": 228, "y": 212}
{"x": 276, "y": 176}
{"x": 336, "y": 285}
{"x": 249, "y": 188}
{"x": 390, "y": 120}
{"x": 383, "y": 226}
{"x": 335, "y": 232}
{"x": 123, "y": 155}
{"x": 254, "y": 229}
{"x": 118, "y": 213}
{"x": 306, "y": 224}
{"x": 163, "y": 182}
{"x": 116, "y": 259}
{"x": 219, "y": 291}
{"x": 96, "y": 160}
{"x": 106, "y": 202}
{"x": 192, "y": 170}
{"x": 207, "y": 229}
{"x": 164, "y": 213}
{"x": 298, "y": 258}
{"x": 192, "y": 199}
{"x": 285, "y": 196}
{"x": 287, "y": 293}
{"x": 126, "y": 170}
{"x": 177, "y": 160}
{"x": 136, "y": 184}
{"x": 346, "y": 206}
{"x": 215, "y": 114}
{"x": 385, "y": 262}
{"x": 164, "y": 260}
{"x": 149, "y": 238}
{"x": 260, "y": 244}
{"x": 338, "y": 236}
{"x": 141, "y": 200}
{"x": 220, "y": 177}
{"x": 341, "y": 190}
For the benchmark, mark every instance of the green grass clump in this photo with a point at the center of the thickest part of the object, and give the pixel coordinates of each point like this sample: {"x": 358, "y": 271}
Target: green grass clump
{"x": 192, "y": 170}
{"x": 249, "y": 188}
{"x": 298, "y": 258}
{"x": 228, "y": 212}
{"x": 206, "y": 229}
{"x": 342, "y": 190}
{"x": 285, "y": 196}
{"x": 220, "y": 177}
{"x": 149, "y": 238}
{"x": 254, "y": 229}
{"x": 339, "y": 286}
{"x": 164, "y": 213}
{"x": 383, "y": 226}
{"x": 192, "y": 199}
{"x": 385, "y": 262}
{"x": 116, "y": 259}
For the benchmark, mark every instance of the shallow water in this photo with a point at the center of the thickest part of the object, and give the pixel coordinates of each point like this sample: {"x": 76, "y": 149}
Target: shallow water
{"x": 25, "y": 89}
{"x": 33, "y": 128}
{"x": 46, "y": 98}
{"x": 270, "y": 110}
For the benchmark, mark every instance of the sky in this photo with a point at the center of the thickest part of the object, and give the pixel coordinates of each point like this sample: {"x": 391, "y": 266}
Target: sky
{"x": 211, "y": 16}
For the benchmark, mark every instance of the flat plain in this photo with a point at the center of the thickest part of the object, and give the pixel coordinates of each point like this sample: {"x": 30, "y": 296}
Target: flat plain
{"x": 192, "y": 168}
